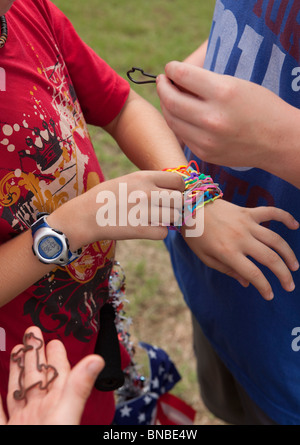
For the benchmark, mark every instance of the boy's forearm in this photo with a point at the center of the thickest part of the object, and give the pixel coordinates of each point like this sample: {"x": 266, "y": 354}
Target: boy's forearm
{"x": 147, "y": 140}
{"x": 143, "y": 135}
{"x": 287, "y": 167}
{"x": 286, "y": 162}
{"x": 282, "y": 157}
{"x": 19, "y": 268}
{"x": 198, "y": 56}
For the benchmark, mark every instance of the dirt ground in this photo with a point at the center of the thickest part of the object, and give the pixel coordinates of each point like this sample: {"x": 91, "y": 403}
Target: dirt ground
{"x": 160, "y": 316}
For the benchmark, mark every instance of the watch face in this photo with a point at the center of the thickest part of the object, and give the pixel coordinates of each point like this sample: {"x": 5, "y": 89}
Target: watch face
{"x": 50, "y": 247}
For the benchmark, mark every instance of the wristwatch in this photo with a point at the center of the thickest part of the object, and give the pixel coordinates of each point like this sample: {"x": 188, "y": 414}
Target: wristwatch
{"x": 50, "y": 245}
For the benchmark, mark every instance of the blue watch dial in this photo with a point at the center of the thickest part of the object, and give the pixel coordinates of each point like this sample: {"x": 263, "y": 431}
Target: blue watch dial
{"x": 50, "y": 247}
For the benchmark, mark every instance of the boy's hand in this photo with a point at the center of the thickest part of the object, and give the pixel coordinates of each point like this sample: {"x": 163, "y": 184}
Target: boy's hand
{"x": 224, "y": 120}
{"x": 233, "y": 233}
{"x": 230, "y": 121}
{"x": 140, "y": 205}
{"x": 147, "y": 202}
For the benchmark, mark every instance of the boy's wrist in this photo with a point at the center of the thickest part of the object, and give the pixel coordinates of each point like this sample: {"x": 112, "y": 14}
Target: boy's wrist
{"x": 50, "y": 245}
{"x": 75, "y": 221}
{"x": 281, "y": 147}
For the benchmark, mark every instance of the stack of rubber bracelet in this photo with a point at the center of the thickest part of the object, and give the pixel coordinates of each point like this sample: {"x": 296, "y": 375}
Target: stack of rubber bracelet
{"x": 199, "y": 190}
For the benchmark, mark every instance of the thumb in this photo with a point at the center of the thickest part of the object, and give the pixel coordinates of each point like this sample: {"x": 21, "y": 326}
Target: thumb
{"x": 79, "y": 386}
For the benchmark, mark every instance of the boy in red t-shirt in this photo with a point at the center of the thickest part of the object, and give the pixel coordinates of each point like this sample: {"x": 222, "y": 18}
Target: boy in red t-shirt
{"x": 55, "y": 84}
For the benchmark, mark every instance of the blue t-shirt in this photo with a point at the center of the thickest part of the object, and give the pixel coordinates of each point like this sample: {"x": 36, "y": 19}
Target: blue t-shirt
{"x": 256, "y": 40}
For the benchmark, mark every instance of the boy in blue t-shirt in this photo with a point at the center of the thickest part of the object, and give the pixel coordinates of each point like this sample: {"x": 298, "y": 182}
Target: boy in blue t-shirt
{"x": 242, "y": 121}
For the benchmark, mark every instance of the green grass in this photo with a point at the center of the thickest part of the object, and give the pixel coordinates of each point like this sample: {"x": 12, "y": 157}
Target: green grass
{"x": 147, "y": 34}
{"x": 141, "y": 33}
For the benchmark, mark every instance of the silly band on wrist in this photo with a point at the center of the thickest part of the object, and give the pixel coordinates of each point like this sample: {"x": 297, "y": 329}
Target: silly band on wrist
{"x": 199, "y": 190}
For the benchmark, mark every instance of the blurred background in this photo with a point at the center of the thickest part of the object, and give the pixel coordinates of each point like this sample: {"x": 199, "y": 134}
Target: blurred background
{"x": 147, "y": 34}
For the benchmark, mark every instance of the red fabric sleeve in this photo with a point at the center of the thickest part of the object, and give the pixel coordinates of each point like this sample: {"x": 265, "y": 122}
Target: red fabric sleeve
{"x": 101, "y": 92}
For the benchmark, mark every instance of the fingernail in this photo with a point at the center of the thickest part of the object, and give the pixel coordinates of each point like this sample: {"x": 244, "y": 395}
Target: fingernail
{"x": 271, "y": 296}
{"x": 296, "y": 224}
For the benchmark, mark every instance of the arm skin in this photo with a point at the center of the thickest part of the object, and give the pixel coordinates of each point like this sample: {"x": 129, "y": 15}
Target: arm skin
{"x": 229, "y": 121}
{"x": 145, "y": 138}
{"x": 141, "y": 132}
{"x": 222, "y": 255}
{"x": 19, "y": 268}
{"x": 198, "y": 56}
{"x": 150, "y": 146}
{"x": 242, "y": 236}
{"x": 228, "y": 251}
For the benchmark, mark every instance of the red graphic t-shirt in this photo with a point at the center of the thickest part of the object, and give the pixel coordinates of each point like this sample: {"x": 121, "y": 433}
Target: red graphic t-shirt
{"x": 55, "y": 84}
